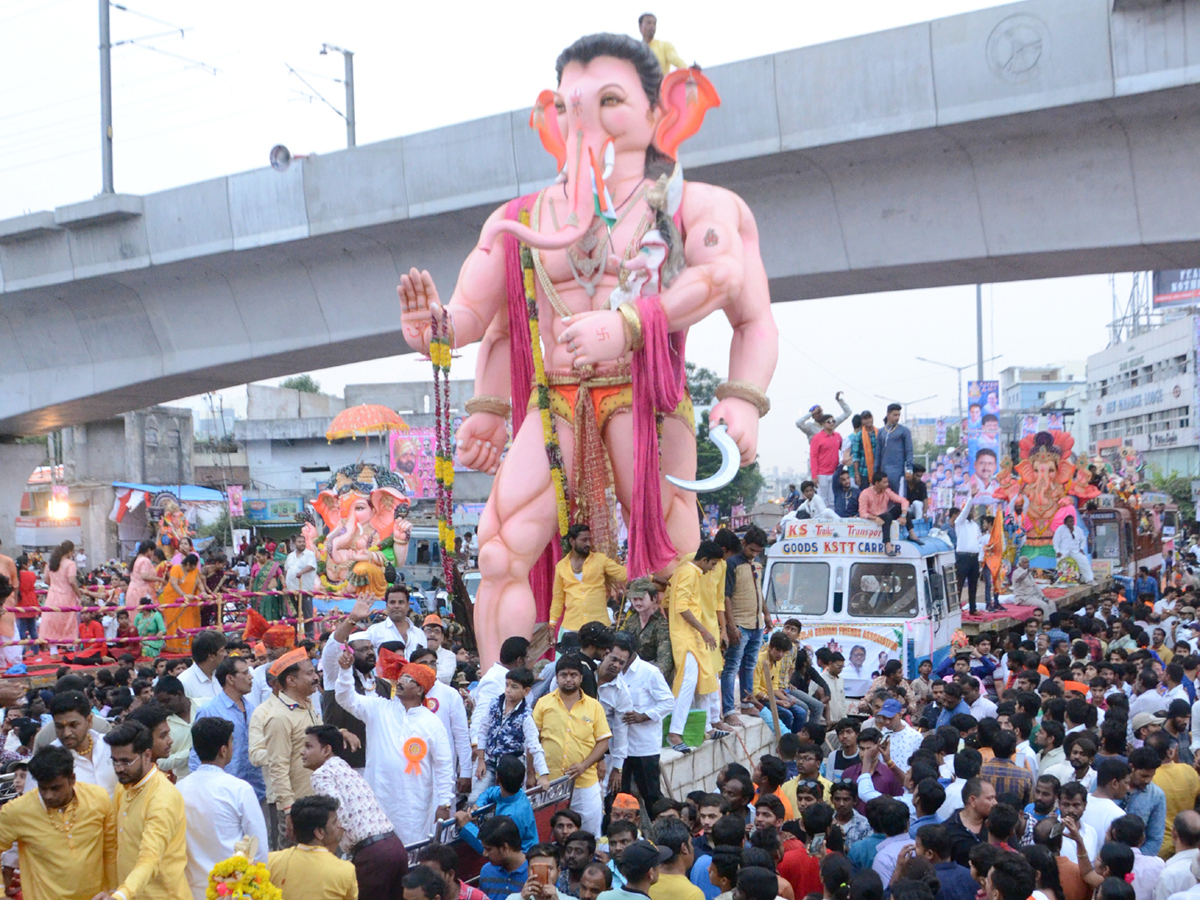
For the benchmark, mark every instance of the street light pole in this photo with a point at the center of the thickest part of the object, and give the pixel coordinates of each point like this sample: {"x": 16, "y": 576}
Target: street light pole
{"x": 978, "y": 334}
{"x": 106, "y": 155}
{"x": 959, "y": 370}
{"x": 348, "y": 56}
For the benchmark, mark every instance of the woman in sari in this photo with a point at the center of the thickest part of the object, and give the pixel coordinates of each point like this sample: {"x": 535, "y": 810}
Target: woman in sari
{"x": 184, "y": 584}
{"x": 269, "y": 577}
{"x": 64, "y": 591}
{"x": 150, "y": 622}
{"x": 143, "y": 580}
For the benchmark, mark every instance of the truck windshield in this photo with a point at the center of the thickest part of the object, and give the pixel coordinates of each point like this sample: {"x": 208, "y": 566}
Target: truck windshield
{"x": 1107, "y": 540}
{"x": 883, "y": 589}
{"x": 799, "y": 588}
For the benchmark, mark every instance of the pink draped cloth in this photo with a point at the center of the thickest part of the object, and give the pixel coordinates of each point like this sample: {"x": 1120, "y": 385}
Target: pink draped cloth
{"x": 659, "y": 380}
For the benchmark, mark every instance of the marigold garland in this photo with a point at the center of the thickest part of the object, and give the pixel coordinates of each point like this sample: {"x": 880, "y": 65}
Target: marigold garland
{"x": 440, "y": 354}
{"x": 254, "y": 882}
{"x": 549, "y": 434}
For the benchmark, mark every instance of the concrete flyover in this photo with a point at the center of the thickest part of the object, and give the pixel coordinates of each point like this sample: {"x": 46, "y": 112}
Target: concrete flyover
{"x": 1040, "y": 139}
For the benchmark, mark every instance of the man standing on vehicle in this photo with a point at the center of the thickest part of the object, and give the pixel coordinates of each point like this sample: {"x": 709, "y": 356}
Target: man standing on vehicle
{"x": 895, "y": 449}
{"x": 810, "y": 423}
{"x": 581, "y": 582}
{"x": 824, "y": 452}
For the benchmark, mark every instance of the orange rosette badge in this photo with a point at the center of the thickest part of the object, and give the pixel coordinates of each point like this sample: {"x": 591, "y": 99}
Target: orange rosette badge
{"x": 414, "y": 751}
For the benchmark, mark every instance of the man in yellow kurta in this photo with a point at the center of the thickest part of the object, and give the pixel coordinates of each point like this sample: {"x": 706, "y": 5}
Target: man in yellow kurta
{"x": 581, "y": 581}
{"x": 151, "y": 822}
{"x": 664, "y": 51}
{"x": 65, "y": 832}
{"x": 309, "y": 870}
{"x": 574, "y": 732}
{"x": 695, "y": 600}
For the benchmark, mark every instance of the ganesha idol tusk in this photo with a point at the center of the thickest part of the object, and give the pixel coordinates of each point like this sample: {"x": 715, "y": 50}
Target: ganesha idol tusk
{"x": 730, "y": 463}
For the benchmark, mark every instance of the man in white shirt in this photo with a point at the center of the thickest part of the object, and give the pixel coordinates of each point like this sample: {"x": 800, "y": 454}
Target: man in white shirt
{"x": 812, "y": 507}
{"x": 1178, "y": 875}
{"x": 981, "y": 707}
{"x": 652, "y": 702}
{"x": 300, "y": 578}
{"x": 1112, "y": 784}
{"x": 397, "y": 626}
{"x": 221, "y": 809}
{"x": 1078, "y": 766}
{"x": 447, "y": 704}
{"x": 902, "y": 739}
{"x": 435, "y": 638}
{"x": 968, "y": 548}
{"x": 1071, "y": 542}
{"x": 1073, "y": 803}
{"x": 73, "y": 724}
{"x": 198, "y": 680}
{"x": 617, "y": 703}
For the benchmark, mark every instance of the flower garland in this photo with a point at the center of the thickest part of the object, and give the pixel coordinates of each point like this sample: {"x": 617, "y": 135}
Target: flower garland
{"x": 549, "y": 435}
{"x": 237, "y": 878}
{"x": 443, "y": 463}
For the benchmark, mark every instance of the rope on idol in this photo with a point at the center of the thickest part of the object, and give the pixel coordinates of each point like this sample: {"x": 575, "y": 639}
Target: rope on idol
{"x": 558, "y": 474}
{"x": 443, "y": 464}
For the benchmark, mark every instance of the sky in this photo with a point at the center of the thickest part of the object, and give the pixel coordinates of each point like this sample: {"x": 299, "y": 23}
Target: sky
{"x": 423, "y": 65}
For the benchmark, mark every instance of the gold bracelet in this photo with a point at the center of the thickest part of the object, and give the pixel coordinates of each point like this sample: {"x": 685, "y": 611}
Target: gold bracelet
{"x": 633, "y": 325}
{"x": 487, "y": 404}
{"x": 745, "y": 390}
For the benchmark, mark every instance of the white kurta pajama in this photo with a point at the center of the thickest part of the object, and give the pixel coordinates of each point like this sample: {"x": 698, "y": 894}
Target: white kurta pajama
{"x": 409, "y": 800}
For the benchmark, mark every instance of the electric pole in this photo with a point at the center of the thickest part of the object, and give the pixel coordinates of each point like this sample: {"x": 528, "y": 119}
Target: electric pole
{"x": 979, "y": 332}
{"x": 106, "y": 155}
{"x": 348, "y": 56}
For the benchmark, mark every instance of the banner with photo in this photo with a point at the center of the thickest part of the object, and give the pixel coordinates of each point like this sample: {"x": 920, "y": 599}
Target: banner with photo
{"x": 1029, "y": 425}
{"x": 983, "y": 436}
{"x": 940, "y": 436}
{"x": 1054, "y": 421}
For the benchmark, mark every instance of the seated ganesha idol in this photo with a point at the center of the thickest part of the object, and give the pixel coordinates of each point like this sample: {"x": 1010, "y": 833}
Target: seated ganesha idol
{"x": 581, "y": 296}
{"x": 366, "y": 512}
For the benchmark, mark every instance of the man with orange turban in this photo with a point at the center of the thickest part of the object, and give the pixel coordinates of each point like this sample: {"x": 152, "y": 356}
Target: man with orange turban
{"x": 410, "y": 764}
{"x": 278, "y": 639}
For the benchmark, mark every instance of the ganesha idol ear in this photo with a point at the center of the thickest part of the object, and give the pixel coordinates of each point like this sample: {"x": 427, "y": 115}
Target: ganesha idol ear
{"x": 328, "y": 508}
{"x": 386, "y": 501}
{"x": 686, "y": 96}
{"x": 544, "y": 119}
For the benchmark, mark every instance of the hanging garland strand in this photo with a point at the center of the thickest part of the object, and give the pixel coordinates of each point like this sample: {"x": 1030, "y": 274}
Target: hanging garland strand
{"x": 443, "y": 464}
{"x": 549, "y": 434}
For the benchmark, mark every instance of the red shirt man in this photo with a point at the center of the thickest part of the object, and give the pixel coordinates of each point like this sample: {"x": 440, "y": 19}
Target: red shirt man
{"x": 28, "y": 589}
{"x": 825, "y": 449}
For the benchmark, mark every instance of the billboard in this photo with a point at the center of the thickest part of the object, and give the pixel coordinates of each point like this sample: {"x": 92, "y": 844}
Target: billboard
{"x": 983, "y": 436}
{"x": 276, "y": 511}
{"x": 1176, "y": 287}
{"x": 867, "y": 648}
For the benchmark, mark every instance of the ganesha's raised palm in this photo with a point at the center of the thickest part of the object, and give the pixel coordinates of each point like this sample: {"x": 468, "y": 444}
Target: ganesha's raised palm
{"x": 419, "y": 308}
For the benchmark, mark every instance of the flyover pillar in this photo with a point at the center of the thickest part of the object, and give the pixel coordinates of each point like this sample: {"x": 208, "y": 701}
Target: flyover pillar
{"x": 17, "y": 462}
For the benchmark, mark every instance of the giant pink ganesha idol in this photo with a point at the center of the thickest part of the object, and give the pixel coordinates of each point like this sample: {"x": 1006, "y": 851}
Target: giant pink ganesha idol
{"x": 588, "y": 288}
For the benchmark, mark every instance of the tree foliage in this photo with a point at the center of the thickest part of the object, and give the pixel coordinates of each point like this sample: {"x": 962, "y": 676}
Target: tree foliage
{"x": 304, "y": 383}
{"x": 1180, "y": 489}
{"x": 702, "y": 384}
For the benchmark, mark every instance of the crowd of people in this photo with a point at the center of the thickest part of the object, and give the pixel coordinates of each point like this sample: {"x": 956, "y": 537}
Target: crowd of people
{"x": 1054, "y": 760}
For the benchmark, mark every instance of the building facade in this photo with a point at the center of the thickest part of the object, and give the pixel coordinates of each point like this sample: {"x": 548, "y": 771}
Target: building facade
{"x": 1142, "y": 396}
{"x": 1026, "y": 388}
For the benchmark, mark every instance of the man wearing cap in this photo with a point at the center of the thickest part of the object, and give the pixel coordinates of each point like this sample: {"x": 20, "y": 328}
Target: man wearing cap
{"x": 278, "y": 639}
{"x": 447, "y": 704}
{"x": 902, "y": 739}
{"x": 276, "y": 737}
{"x": 410, "y": 764}
{"x": 638, "y": 865}
{"x": 811, "y": 423}
{"x": 397, "y": 626}
{"x": 435, "y": 639}
{"x": 364, "y": 683}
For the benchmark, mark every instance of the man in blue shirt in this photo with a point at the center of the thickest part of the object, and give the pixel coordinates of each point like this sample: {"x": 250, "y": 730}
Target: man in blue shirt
{"x": 506, "y": 869}
{"x": 508, "y": 794}
{"x": 952, "y": 703}
{"x": 845, "y": 494}
{"x": 934, "y": 844}
{"x": 1146, "y": 799}
{"x": 234, "y": 705}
